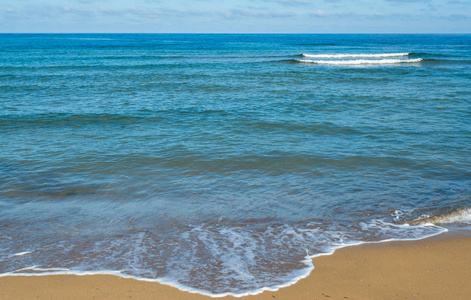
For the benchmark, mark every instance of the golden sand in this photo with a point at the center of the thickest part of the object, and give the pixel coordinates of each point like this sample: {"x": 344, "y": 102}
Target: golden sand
{"x": 434, "y": 268}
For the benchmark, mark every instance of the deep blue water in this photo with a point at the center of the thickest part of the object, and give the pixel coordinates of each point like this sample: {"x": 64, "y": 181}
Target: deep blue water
{"x": 218, "y": 162}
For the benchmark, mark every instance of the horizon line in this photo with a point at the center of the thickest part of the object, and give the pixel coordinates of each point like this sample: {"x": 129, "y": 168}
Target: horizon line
{"x": 251, "y": 33}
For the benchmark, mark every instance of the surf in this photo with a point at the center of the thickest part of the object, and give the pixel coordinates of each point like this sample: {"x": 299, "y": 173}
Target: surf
{"x": 362, "y": 61}
{"x": 459, "y": 215}
{"x": 360, "y": 55}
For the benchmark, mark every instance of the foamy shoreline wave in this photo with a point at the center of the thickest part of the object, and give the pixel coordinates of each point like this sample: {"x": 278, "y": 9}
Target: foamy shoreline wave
{"x": 461, "y": 215}
{"x": 298, "y": 275}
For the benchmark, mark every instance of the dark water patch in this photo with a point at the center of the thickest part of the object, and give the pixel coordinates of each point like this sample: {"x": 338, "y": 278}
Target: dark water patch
{"x": 428, "y": 55}
{"x": 93, "y": 68}
{"x": 313, "y": 128}
{"x": 74, "y": 120}
{"x": 78, "y": 120}
{"x": 9, "y": 77}
{"x": 320, "y": 44}
{"x": 290, "y": 61}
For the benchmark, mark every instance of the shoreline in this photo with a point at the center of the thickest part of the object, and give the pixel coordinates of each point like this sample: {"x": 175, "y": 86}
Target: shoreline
{"x": 437, "y": 267}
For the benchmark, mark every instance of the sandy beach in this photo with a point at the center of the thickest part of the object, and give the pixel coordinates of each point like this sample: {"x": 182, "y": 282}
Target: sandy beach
{"x": 434, "y": 268}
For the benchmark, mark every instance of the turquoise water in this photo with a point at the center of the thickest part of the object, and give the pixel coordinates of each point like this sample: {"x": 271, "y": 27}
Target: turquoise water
{"x": 217, "y": 163}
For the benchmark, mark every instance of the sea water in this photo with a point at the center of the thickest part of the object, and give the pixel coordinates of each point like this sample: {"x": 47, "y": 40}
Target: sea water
{"x": 220, "y": 163}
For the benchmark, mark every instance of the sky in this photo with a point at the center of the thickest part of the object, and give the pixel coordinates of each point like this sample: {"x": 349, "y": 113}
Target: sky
{"x": 235, "y": 16}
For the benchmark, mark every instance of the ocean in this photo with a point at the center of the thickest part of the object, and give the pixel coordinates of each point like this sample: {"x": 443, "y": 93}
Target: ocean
{"x": 220, "y": 164}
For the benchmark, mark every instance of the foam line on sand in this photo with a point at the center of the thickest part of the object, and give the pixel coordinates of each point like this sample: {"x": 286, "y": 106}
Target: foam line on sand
{"x": 433, "y": 268}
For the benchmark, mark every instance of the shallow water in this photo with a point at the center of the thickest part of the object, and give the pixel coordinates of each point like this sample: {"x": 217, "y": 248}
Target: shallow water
{"x": 218, "y": 162}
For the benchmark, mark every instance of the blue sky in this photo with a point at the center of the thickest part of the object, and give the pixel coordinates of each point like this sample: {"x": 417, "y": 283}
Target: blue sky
{"x": 237, "y": 16}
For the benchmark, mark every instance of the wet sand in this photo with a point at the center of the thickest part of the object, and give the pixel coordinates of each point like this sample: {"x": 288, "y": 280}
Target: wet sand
{"x": 434, "y": 268}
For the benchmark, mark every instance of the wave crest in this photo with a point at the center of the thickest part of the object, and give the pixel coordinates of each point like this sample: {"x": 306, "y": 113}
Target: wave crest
{"x": 360, "y": 55}
{"x": 361, "y": 61}
{"x": 462, "y": 215}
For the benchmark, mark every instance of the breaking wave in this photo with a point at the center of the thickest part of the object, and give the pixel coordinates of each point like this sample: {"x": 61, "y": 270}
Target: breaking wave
{"x": 462, "y": 215}
{"x": 346, "y": 55}
{"x": 361, "y": 61}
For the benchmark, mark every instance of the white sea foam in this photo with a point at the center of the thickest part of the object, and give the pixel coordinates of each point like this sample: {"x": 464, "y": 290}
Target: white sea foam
{"x": 456, "y": 216}
{"x": 362, "y": 61}
{"x": 404, "y": 232}
{"x": 41, "y": 270}
{"x": 364, "y": 55}
{"x": 22, "y": 253}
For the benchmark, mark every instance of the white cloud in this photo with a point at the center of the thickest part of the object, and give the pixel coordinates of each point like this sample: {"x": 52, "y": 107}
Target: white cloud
{"x": 319, "y": 13}
{"x": 290, "y": 2}
{"x": 409, "y": 1}
{"x": 459, "y": 2}
{"x": 237, "y": 13}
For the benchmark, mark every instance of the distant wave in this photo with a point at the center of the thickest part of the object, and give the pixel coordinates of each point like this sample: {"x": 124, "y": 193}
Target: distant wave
{"x": 361, "y": 61}
{"x": 361, "y": 55}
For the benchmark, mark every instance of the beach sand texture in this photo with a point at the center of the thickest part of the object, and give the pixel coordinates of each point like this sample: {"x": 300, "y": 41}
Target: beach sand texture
{"x": 434, "y": 268}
